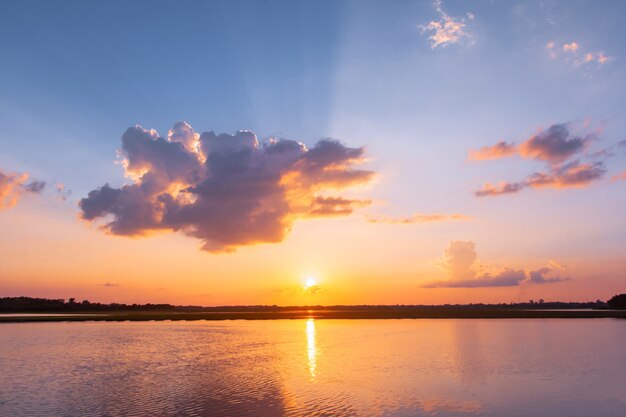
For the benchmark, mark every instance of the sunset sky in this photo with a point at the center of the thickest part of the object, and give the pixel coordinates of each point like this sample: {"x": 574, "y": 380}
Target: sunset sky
{"x": 313, "y": 152}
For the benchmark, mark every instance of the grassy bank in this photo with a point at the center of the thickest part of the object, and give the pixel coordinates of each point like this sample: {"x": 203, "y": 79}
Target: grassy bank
{"x": 404, "y": 313}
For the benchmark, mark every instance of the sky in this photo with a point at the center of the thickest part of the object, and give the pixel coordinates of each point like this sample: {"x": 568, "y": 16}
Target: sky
{"x": 313, "y": 152}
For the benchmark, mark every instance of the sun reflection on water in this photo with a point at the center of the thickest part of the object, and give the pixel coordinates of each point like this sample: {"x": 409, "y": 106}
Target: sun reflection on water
{"x": 311, "y": 347}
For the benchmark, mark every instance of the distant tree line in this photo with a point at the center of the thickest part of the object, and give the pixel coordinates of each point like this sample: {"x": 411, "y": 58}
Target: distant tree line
{"x": 618, "y": 302}
{"x": 28, "y": 304}
{"x": 45, "y": 305}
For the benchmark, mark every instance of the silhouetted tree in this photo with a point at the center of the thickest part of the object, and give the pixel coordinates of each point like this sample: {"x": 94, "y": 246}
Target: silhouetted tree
{"x": 618, "y": 302}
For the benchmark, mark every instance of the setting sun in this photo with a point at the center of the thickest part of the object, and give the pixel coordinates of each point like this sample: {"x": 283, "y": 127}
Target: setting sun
{"x": 310, "y": 282}
{"x": 274, "y": 208}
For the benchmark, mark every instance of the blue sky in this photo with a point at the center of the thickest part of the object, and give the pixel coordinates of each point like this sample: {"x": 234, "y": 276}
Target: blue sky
{"x": 75, "y": 75}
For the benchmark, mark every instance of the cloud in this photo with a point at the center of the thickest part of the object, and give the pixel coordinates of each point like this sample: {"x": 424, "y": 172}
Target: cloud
{"x": 418, "y": 218}
{"x": 570, "y": 47}
{"x": 619, "y": 177}
{"x": 598, "y": 57}
{"x": 447, "y": 30}
{"x": 502, "y": 188}
{"x": 313, "y": 289}
{"x": 573, "y": 53}
{"x": 571, "y": 175}
{"x": 539, "y": 276}
{"x": 63, "y": 193}
{"x": 335, "y": 206}
{"x": 505, "y": 278}
{"x": 459, "y": 260}
{"x": 554, "y": 146}
{"x": 226, "y": 190}
{"x": 110, "y": 284}
{"x": 499, "y": 150}
{"x": 298, "y": 290}
{"x": 14, "y": 185}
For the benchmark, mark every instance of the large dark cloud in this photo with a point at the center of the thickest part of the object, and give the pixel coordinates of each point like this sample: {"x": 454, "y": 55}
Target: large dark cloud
{"x": 460, "y": 261}
{"x": 227, "y": 190}
{"x": 14, "y": 185}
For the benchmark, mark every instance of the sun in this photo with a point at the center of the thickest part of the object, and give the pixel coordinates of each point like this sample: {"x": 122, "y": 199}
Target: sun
{"x": 310, "y": 282}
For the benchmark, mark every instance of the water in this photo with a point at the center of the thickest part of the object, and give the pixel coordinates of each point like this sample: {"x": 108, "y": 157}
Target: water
{"x": 48, "y": 314}
{"x": 320, "y": 368}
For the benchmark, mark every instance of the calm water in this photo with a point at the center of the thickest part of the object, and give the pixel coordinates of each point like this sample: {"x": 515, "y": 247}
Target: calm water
{"x": 320, "y": 368}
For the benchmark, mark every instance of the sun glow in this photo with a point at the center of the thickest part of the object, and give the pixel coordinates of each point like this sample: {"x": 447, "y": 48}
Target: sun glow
{"x": 309, "y": 282}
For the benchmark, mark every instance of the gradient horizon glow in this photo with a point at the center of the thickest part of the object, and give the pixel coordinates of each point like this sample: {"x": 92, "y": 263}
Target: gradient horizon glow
{"x": 313, "y": 152}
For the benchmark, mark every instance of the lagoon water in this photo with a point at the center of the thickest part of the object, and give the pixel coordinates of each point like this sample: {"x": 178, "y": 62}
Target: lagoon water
{"x": 535, "y": 367}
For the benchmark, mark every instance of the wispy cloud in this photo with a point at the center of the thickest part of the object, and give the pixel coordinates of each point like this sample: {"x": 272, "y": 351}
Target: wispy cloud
{"x": 460, "y": 261}
{"x": 619, "y": 177}
{"x": 556, "y": 146}
{"x": 110, "y": 284}
{"x": 63, "y": 193}
{"x": 539, "y": 276}
{"x": 499, "y": 150}
{"x": 417, "y": 218}
{"x": 572, "y": 52}
{"x": 227, "y": 190}
{"x": 447, "y": 30}
{"x": 571, "y": 175}
{"x": 14, "y": 185}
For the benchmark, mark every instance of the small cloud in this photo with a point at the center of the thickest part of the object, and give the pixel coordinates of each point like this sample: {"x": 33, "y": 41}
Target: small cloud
{"x": 14, "y": 185}
{"x": 539, "y": 276}
{"x": 335, "y": 206}
{"x": 63, "y": 193}
{"x": 418, "y": 218}
{"x": 460, "y": 260}
{"x": 572, "y": 52}
{"x": 499, "y": 150}
{"x": 505, "y": 278}
{"x": 447, "y": 30}
{"x": 110, "y": 284}
{"x": 554, "y": 144}
{"x": 598, "y": 57}
{"x": 556, "y": 265}
{"x": 502, "y": 188}
{"x": 570, "y": 47}
{"x": 313, "y": 289}
{"x": 294, "y": 291}
{"x": 35, "y": 186}
{"x": 571, "y": 175}
{"x": 619, "y": 177}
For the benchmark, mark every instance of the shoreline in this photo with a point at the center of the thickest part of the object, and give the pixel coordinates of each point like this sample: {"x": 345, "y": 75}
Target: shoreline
{"x": 315, "y": 314}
